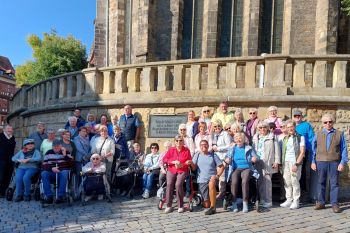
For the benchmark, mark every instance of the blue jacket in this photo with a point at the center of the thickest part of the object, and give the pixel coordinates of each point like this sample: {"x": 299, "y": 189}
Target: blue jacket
{"x": 305, "y": 129}
{"x": 121, "y": 147}
{"x": 34, "y": 161}
{"x": 83, "y": 149}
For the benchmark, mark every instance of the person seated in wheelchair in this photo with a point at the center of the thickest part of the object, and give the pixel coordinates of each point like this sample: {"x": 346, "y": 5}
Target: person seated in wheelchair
{"x": 56, "y": 165}
{"x": 28, "y": 160}
{"x": 241, "y": 157}
{"x": 209, "y": 168}
{"x": 93, "y": 171}
{"x": 150, "y": 167}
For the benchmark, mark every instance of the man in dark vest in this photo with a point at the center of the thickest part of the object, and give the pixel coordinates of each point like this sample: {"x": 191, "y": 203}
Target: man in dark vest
{"x": 39, "y": 135}
{"x": 7, "y": 149}
{"x": 330, "y": 155}
{"x": 130, "y": 126}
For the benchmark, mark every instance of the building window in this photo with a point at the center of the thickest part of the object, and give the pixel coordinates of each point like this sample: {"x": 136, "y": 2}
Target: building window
{"x": 271, "y": 26}
{"x": 192, "y": 29}
{"x": 128, "y": 29}
{"x": 231, "y": 28}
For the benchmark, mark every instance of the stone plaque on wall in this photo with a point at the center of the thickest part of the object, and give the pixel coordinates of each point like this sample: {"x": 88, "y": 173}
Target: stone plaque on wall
{"x": 165, "y": 126}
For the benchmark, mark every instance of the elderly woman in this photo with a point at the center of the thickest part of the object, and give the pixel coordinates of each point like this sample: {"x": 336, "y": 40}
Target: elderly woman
{"x": 237, "y": 128}
{"x": 272, "y": 117}
{"x": 206, "y": 117}
{"x": 104, "y": 146}
{"x": 72, "y": 126}
{"x": 29, "y": 160}
{"x": 121, "y": 146}
{"x": 267, "y": 148}
{"x": 68, "y": 144}
{"x": 239, "y": 119}
{"x": 188, "y": 141}
{"x": 241, "y": 158}
{"x": 83, "y": 148}
{"x": 220, "y": 144}
{"x": 150, "y": 164}
{"x": 202, "y": 135}
{"x": 104, "y": 121}
{"x": 94, "y": 166}
{"x": 192, "y": 124}
{"x": 177, "y": 158}
{"x": 251, "y": 124}
{"x": 47, "y": 143}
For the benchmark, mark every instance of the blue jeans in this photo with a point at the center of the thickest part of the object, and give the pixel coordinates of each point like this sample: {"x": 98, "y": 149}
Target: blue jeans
{"x": 328, "y": 169}
{"x": 24, "y": 176}
{"x": 147, "y": 181}
{"x": 50, "y": 177}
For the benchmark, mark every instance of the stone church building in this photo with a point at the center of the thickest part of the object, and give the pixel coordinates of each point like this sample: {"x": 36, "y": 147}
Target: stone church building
{"x": 139, "y": 31}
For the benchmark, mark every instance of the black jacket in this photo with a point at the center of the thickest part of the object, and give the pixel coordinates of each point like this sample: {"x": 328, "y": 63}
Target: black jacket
{"x": 7, "y": 147}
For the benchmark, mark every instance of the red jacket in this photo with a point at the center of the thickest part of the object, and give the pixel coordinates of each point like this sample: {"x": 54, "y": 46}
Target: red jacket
{"x": 181, "y": 156}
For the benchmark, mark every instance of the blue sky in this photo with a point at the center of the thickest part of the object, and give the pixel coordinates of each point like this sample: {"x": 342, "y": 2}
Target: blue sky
{"x": 20, "y": 18}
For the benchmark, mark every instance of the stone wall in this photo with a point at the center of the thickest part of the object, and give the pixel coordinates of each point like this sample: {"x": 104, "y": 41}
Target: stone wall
{"x": 25, "y": 126}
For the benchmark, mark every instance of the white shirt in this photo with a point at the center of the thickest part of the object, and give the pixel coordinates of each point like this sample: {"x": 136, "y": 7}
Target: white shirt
{"x": 290, "y": 152}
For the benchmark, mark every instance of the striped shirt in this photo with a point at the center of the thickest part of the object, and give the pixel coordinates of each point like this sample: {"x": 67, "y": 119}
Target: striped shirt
{"x": 51, "y": 159}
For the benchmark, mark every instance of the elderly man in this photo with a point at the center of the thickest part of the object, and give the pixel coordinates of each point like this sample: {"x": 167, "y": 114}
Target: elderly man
{"x": 72, "y": 126}
{"x": 330, "y": 155}
{"x": 223, "y": 115}
{"x": 80, "y": 120}
{"x": 130, "y": 126}
{"x": 308, "y": 180}
{"x": 7, "y": 149}
{"x": 57, "y": 162}
{"x": 39, "y": 135}
{"x": 210, "y": 168}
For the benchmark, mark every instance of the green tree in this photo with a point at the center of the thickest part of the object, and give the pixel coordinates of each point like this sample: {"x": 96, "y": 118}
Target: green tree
{"x": 53, "y": 55}
{"x": 346, "y": 6}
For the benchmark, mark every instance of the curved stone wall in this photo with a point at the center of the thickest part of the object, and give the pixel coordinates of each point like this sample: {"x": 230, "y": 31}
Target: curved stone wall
{"x": 315, "y": 84}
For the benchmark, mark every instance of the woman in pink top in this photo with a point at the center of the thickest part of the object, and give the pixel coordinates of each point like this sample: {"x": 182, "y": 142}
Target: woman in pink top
{"x": 177, "y": 158}
{"x": 272, "y": 117}
{"x": 202, "y": 135}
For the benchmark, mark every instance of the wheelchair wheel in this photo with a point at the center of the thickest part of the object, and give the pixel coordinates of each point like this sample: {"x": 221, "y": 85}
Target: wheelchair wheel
{"x": 190, "y": 207}
{"x": 225, "y": 204}
{"x": 37, "y": 194}
{"x": 9, "y": 194}
{"x": 196, "y": 200}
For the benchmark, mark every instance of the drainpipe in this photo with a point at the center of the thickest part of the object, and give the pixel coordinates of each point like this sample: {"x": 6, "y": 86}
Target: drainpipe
{"x": 262, "y": 71}
{"x": 107, "y": 33}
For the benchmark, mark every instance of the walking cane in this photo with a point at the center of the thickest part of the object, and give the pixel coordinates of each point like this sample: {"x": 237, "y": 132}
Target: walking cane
{"x": 56, "y": 182}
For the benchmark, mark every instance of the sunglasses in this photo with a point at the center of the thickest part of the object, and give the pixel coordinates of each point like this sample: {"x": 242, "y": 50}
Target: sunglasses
{"x": 297, "y": 116}
{"x": 216, "y": 126}
{"x": 95, "y": 159}
{"x": 227, "y": 129}
{"x": 206, "y": 111}
{"x": 178, "y": 140}
{"x": 154, "y": 147}
{"x": 262, "y": 128}
{"x": 252, "y": 113}
{"x": 328, "y": 122}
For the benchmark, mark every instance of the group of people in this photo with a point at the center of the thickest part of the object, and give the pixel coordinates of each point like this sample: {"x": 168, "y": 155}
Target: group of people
{"x": 222, "y": 147}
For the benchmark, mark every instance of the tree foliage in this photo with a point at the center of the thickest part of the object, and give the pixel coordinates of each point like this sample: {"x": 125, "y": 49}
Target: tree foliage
{"x": 53, "y": 55}
{"x": 346, "y": 6}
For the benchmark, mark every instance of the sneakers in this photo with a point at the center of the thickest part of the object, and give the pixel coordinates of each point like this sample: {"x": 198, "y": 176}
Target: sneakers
{"x": 210, "y": 211}
{"x": 245, "y": 207}
{"x": 27, "y": 198}
{"x": 88, "y": 198}
{"x": 19, "y": 198}
{"x": 234, "y": 207}
{"x": 168, "y": 210}
{"x": 180, "y": 210}
{"x": 267, "y": 204}
{"x": 336, "y": 208}
{"x": 100, "y": 197}
{"x": 294, "y": 205}
{"x": 286, "y": 204}
{"x": 145, "y": 194}
{"x": 319, "y": 206}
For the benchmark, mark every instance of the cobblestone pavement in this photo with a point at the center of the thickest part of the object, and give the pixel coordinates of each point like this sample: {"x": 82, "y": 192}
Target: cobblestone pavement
{"x": 139, "y": 215}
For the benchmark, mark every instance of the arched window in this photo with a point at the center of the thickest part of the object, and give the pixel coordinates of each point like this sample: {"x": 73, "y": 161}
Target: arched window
{"x": 192, "y": 29}
{"x": 231, "y": 28}
{"x": 271, "y": 26}
{"x": 128, "y": 29}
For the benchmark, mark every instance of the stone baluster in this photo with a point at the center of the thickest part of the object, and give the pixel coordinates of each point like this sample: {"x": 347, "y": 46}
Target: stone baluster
{"x": 274, "y": 73}
{"x": 319, "y": 74}
{"x": 133, "y": 80}
{"x": 339, "y": 74}
{"x": 195, "y": 81}
{"x": 37, "y": 93}
{"x": 42, "y": 93}
{"x": 94, "y": 81}
{"x": 299, "y": 73}
{"x": 62, "y": 87}
{"x": 108, "y": 81}
{"x": 212, "y": 76}
{"x": 29, "y": 97}
{"x": 163, "y": 78}
{"x": 48, "y": 91}
{"x": 148, "y": 79}
{"x": 120, "y": 84}
{"x": 179, "y": 78}
{"x": 80, "y": 84}
{"x": 250, "y": 75}
{"x": 231, "y": 71}
{"x": 54, "y": 89}
{"x": 70, "y": 86}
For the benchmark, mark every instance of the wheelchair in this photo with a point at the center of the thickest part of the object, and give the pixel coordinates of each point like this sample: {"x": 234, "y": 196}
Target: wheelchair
{"x": 94, "y": 184}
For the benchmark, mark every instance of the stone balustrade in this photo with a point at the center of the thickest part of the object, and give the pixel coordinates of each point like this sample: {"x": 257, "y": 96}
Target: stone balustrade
{"x": 250, "y": 78}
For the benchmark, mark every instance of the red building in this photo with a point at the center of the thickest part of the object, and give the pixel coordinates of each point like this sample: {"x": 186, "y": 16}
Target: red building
{"x": 7, "y": 87}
